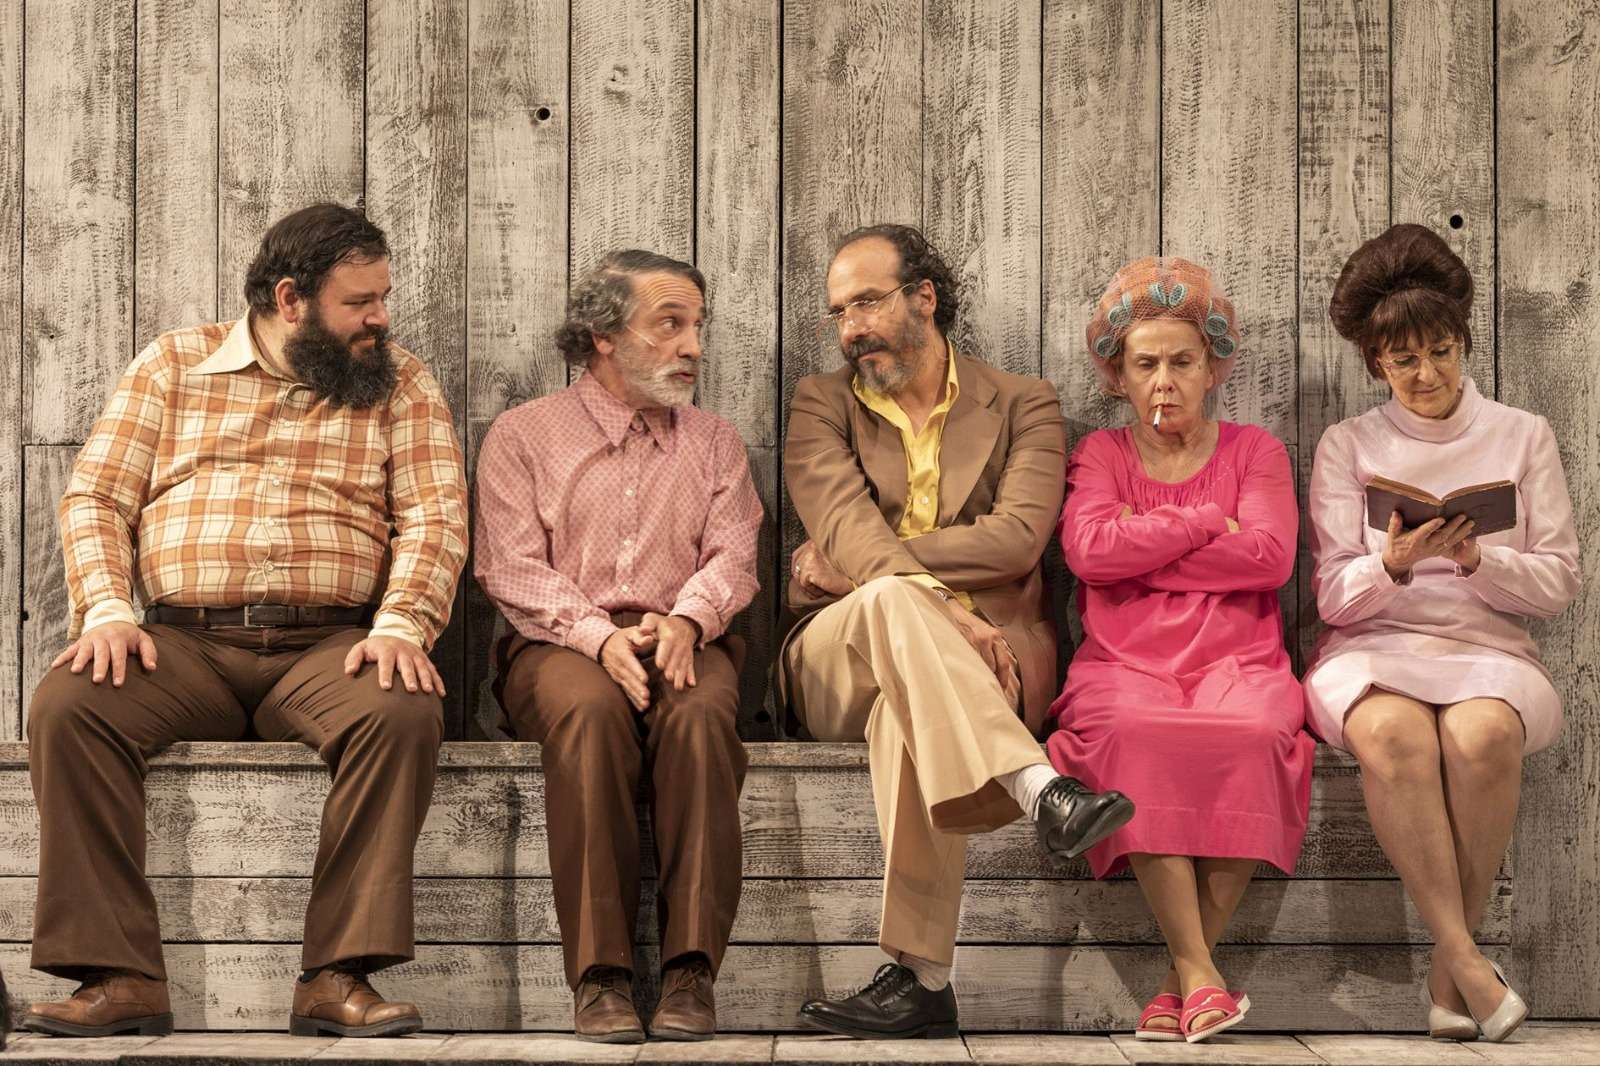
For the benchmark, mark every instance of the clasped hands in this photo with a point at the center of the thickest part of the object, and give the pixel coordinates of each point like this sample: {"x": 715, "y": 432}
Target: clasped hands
{"x": 817, "y": 576}
{"x": 1435, "y": 538}
{"x": 670, "y": 638}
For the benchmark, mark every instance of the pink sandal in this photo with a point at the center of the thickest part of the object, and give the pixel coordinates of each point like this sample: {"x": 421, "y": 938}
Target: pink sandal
{"x": 1164, "y": 1005}
{"x": 1206, "y": 1000}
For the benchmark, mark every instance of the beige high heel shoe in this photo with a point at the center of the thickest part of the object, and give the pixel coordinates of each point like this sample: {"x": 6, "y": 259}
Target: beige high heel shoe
{"x": 1444, "y": 1023}
{"x": 1511, "y": 1012}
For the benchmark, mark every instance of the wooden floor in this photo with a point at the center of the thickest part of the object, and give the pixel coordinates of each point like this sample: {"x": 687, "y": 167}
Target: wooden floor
{"x": 1559, "y": 1044}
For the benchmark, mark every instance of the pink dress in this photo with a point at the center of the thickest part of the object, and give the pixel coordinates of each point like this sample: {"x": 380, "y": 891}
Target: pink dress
{"x": 1443, "y": 637}
{"x": 1181, "y": 695}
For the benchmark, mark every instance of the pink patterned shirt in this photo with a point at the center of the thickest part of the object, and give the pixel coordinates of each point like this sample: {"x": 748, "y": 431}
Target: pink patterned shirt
{"x": 587, "y": 507}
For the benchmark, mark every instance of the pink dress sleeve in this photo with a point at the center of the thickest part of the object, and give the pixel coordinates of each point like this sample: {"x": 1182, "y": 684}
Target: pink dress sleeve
{"x": 1349, "y": 581}
{"x": 1258, "y": 558}
{"x": 1101, "y": 546}
{"x": 1542, "y": 580}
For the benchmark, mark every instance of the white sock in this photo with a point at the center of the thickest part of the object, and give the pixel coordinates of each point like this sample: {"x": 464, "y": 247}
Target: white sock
{"x": 1027, "y": 785}
{"x": 930, "y": 975}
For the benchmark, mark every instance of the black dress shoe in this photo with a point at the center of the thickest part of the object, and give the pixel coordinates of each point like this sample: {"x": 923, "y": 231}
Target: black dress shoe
{"x": 1072, "y": 819}
{"x": 893, "y": 1006}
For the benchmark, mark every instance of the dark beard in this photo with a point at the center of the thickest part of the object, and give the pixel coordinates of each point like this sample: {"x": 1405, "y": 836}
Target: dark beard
{"x": 332, "y": 370}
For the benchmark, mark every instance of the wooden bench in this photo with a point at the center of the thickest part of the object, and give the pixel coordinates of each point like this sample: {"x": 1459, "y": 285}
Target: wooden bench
{"x": 233, "y": 830}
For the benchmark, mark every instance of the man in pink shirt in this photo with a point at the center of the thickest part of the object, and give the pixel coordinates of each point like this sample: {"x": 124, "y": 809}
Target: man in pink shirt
{"x": 617, "y": 533}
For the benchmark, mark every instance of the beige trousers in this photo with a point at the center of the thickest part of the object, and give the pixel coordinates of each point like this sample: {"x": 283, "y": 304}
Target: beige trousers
{"x": 886, "y": 665}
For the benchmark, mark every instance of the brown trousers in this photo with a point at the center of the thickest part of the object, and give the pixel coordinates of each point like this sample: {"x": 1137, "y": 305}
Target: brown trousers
{"x": 595, "y": 749}
{"x": 88, "y": 746}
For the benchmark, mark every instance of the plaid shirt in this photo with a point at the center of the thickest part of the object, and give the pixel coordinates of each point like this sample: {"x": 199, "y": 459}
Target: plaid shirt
{"x": 221, "y": 483}
{"x": 587, "y": 507}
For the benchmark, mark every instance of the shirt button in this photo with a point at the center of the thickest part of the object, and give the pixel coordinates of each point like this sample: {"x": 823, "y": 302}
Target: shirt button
{"x": 268, "y": 567}
{"x": 281, "y": 462}
{"x": 628, "y": 491}
{"x": 277, "y": 480}
{"x": 625, "y": 588}
{"x": 924, "y": 499}
{"x": 269, "y": 520}
{"x": 627, "y": 542}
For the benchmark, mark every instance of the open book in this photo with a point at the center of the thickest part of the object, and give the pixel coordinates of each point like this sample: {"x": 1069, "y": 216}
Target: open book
{"x": 1492, "y": 507}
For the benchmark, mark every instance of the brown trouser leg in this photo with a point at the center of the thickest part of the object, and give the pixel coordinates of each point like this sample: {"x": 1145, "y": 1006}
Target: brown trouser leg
{"x": 595, "y": 747}
{"x": 87, "y": 755}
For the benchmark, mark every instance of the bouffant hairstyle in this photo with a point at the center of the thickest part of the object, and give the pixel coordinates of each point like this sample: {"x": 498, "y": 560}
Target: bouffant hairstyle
{"x": 919, "y": 261}
{"x": 1404, "y": 286}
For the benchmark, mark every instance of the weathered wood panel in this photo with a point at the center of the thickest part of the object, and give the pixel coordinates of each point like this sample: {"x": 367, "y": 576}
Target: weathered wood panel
{"x": 175, "y": 160}
{"x": 1443, "y": 125}
{"x": 12, "y": 545}
{"x": 290, "y": 97}
{"x": 852, "y": 156}
{"x": 44, "y": 582}
{"x": 517, "y": 218}
{"x": 981, "y": 143}
{"x": 1344, "y": 200}
{"x": 1228, "y": 183}
{"x": 633, "y": 128}
{"x": 219, "y": 818}
{"x": 416, "y": 188}
{"x": 464, "y": 987}
{"x": 469, "y": 910}
{"x": 1548, "y": 162}
{"x": 77, "y": 203}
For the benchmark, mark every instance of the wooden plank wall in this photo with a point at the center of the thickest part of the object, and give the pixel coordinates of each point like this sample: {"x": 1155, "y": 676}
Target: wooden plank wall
{"x": 505, "y": 144}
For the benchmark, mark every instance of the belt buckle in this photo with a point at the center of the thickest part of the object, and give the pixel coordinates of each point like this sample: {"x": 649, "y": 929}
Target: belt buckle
{"x": 275, "y": 615}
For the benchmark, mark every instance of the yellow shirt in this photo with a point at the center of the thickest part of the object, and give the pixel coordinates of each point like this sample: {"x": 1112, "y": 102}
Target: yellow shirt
{"x": 922, "y": 459}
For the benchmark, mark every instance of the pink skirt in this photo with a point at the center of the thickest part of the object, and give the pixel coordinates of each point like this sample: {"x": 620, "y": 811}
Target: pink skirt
{"x": 1218, "y": 765}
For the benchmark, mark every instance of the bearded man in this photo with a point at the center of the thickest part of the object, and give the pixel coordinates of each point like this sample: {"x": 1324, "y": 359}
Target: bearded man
{"x": 617, "y": 533}
{"x": 285, "y": 494}
{"x": 929, "y": 484}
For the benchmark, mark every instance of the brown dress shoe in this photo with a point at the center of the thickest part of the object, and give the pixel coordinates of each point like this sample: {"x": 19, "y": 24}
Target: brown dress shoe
{"x": 602, "y": 1007}
{"x": 107, "y": 1003}
{"x": 688, "y": 1007}
{"x": 340, "y": 1001}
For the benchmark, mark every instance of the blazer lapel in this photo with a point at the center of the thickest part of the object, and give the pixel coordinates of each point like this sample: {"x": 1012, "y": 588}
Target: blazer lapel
{"x": 883, "y": 457}
{"x": 970, "y": 432}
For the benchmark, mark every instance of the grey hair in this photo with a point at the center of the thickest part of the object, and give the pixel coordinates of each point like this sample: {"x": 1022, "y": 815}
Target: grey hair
{"x": 602, "y": 301}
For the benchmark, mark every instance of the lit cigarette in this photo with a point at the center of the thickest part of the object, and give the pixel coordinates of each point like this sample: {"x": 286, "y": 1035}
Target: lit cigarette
{"x": 1155, "y": 419}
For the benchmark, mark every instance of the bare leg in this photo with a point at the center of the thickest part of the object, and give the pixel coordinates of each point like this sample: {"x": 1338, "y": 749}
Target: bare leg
{"x": 1221, "y": 884}
{"x": 1396, "y": 740}
{"x": 1481, "y": 743}
{"x": 1171, "y": 888}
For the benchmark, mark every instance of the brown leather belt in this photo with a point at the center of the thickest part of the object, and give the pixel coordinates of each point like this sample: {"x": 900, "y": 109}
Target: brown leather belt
{"x": 257, "y": 616}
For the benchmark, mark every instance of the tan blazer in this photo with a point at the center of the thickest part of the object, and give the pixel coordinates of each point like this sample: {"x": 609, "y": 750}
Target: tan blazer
{"x": 1002, "y": 475}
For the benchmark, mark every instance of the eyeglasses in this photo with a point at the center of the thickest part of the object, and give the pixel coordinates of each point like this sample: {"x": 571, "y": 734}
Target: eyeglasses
{"x": 1407, "y": 366}
{"x": 865, "y": 309}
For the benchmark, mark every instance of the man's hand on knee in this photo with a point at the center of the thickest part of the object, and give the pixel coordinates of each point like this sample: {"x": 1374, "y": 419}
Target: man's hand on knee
{"x": 391, "y": 654}
{"x": 107, "y": 647}
{"x": 817, "y": 575}
{"x": 620, "y": 657}
{"x": 988, "y": 641}
{"x": 676, "y": 637}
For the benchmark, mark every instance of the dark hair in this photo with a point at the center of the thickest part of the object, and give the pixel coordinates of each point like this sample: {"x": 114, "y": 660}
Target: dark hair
{"x": 1404, "y": 286}
{"x": 602, "y": 300}
{"x": 305, "y": 247}
{"x": 919, "y": 260}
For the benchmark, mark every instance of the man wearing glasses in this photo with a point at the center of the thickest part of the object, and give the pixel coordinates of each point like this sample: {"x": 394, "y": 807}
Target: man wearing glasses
{"x": 617, "y": 533}
{"x": 929, "y": 484}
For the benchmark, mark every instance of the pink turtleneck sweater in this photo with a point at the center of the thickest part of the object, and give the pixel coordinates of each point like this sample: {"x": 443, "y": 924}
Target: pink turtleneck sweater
{"x": 1444, "y": 636}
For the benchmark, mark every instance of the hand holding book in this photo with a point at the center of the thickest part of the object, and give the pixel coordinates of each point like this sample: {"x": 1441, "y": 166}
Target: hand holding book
{"x": 1435, "y": 538}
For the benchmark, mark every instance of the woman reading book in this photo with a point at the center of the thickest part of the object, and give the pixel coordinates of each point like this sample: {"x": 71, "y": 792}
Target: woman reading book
{"x": 1181, "y": 529}
{"x": 1427, "y": 672}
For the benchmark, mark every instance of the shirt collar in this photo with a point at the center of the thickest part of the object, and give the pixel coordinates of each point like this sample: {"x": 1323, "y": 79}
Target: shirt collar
{"x": 236, "y": 352}
{"x": 614, "y": 417}
{"x": 877, "y": 401}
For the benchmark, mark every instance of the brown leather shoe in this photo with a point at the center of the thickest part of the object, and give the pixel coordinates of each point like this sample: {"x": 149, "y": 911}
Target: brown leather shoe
{"x": 107, "y": 1003}
{"x": 688, "y": 1007}
{"x": 602, "y": 1007}
{"x": 340, "y": 1001}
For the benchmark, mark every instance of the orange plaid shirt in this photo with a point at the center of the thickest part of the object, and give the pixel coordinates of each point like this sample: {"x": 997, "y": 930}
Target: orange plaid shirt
{"x": 220, "y": 483}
